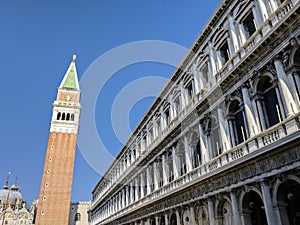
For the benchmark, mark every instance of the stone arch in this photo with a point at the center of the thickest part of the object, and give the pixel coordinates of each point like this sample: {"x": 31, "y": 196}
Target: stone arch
{"x": 186, "y": 217}
{"x": 152, "y": 221}
{"x": 173, "y": 219}
{"x": 162, "y": 220}
{"x": 252, "y": 207}
{"x": 224, "y": 211}
{"x": 202, "y": 216}
{"x": 286, "y": 197}
{"x": 220, "y": 34}
{"x": 294, "y": 58}
{"x": 265, "y": 75}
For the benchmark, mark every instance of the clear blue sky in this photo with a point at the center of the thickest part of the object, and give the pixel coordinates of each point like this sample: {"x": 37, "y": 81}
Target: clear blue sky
{"x": 37, "y": 40}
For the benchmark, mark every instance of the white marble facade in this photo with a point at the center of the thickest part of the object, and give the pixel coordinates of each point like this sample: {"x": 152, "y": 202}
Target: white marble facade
{"x": 221, "y": 145}
{"x": 79, "y": 213}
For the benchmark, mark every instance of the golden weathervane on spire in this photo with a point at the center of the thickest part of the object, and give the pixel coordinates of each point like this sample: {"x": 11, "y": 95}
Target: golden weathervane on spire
{"x": 74, "y": 58}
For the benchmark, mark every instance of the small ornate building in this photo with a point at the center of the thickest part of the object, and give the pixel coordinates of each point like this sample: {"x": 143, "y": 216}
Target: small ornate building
{"x": 12, "y": 207}
{"x": 79, "y": 213}
{"x": 221, "y": 143}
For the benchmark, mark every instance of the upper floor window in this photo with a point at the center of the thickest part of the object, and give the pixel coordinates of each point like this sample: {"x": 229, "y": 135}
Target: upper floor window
{"x": 224, "y": 52}
{"x": 249, "y": 25}
{"x": 204, "y": 72}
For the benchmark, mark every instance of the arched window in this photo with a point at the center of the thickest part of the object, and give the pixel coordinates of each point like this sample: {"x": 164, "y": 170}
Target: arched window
{"x": 253, "y": 207}
{"x": 68, "y": 116}
{"x": 236, "y": 123}
{"x": 72, "y": 117}
{"x": 181, "y": 158}
{"x": 77, "y": 217}
{"x": 267, "y": 103}
{"x": 249, "y": 25}
{"x": 196, "y": 153}
{"x": 63, "y": 116}
{"x": 211, "y": 129}
{"x": 58, "y": 116}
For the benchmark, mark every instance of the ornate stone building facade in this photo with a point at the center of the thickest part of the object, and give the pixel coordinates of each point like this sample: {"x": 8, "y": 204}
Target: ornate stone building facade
{"x": 13, "y": 210}
{"x": 78, "y": 213}
{"x": 221, "y": 144}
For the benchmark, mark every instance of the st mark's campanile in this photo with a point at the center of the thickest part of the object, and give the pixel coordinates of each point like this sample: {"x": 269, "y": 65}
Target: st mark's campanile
{"x": 56, "y": 186}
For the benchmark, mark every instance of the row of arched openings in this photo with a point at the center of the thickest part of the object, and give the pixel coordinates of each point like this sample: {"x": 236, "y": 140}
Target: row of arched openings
{"x": 65, "y": 116}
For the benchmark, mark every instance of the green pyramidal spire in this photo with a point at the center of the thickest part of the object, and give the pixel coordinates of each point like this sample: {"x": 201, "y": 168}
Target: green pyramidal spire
{"x": 70, "y": 80}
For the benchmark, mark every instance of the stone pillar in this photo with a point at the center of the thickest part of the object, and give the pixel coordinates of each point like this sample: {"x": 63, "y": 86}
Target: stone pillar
{"x": 294, "y": 81}
{"x": 132, "y": 156}
{"x": 123, "y": 199}
{"x": 178, "y": 217}
{"x": 137, "y": 149}
{"x": 183, "y": 96}
{"x": 249, "y": 112}
{"x": 212, "y": 59}
{"x": 149, "y": 179}
{"x": 131, "y": 193}
{"x": 263, "y": 11}
{"x": 296, "y": 75}
{"x": 127, "y": 195}
{"x": 142, "y": 183}
{"x": 136, "y": 189}
{"x": 261, "y": 114}
{"x": 211, "y": 212}
{"x": 188, "y": 156}
{"x": 235, "y": 209}
{"x": 204, "y": 151}
{"x": 242, "y": 34}
{"x": 128, "y": 159}
{"x": 223, "y": 131}
{"x": 196, "y": 76}
{"x": 285, "y": 87}
{"x": 193, "y": 216}
{"x": 230, "y": 47}
{"x": 233, "y": 33}
{"x": 175, "y": 165}
{"x": 282, "y": 108}
{"x": 119, "y": 200}
{"x": 164, "y": 170}
{"x": 156, "y": 175}
{"x": 265, "y": 188}
{"x": 166, "y": 219}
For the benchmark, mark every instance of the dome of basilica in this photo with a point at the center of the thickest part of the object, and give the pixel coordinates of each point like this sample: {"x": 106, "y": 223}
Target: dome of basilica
{"x": 13, "y": 195}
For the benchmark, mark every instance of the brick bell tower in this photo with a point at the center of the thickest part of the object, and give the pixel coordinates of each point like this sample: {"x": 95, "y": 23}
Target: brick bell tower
{"x": 56, "y": 187}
